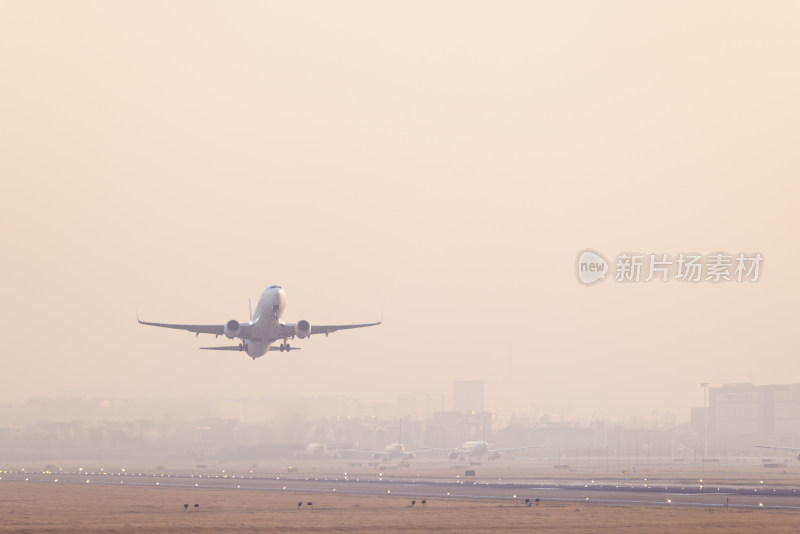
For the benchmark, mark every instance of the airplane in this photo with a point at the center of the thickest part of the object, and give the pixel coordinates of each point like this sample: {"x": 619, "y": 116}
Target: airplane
{"x": 794, "y": 450}
{"x": 479, "y": 448}
{"x": 315, "y": 451}
{"x": 392, "y": 451}
{"x": 264, "y": 327}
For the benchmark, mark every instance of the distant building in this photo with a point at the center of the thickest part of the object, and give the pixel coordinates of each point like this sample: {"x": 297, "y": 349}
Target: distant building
{"x": 698, "y": 420}
{"x": 468, "y": 396}
{"x": 741, "y": 415}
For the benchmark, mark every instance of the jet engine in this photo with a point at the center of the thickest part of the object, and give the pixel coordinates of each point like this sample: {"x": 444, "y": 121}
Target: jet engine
{"x": 452, "y": 455}
{"x": 232, "y": 328}
{"x": 302, "y": 329}
{"x": 798, "y": 457}
{"x": 496, "y": 455}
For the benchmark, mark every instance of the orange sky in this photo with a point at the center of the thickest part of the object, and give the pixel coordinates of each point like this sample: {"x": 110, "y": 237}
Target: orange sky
{"x": 441, "y": 161}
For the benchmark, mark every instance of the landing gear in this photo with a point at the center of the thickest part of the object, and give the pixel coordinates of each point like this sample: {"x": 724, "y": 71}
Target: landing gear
{"x": 285, "y": 347}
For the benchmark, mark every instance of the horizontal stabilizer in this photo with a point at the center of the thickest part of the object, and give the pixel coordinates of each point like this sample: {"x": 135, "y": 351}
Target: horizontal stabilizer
{"x": 240, "y": 348}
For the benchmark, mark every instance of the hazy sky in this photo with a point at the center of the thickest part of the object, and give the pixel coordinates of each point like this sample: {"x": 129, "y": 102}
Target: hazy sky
{"x": 444, "y": 162}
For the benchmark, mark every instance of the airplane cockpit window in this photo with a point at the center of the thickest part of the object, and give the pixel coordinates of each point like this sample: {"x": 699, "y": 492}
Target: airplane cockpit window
{"x": 275, "y": 287}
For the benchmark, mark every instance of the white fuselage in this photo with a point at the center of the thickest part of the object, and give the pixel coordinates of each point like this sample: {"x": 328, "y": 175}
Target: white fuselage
{"x": 474, "y": 448}
{"x": 266, "y": 321}
{"x": 264, "y": 327}
{"x": 394, "y": 450}
{"x": 314, "y": 450}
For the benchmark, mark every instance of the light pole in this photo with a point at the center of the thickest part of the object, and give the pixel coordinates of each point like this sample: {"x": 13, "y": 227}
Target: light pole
{"x": 705, "y": 385}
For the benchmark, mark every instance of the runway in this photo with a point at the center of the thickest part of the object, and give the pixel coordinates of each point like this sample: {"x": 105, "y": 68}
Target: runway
{"x": 663, "y": 493}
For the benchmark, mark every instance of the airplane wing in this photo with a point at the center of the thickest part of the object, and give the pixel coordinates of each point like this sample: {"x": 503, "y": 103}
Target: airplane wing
{"x": 512, "y": 449}
{"x": 360, "y": 451}
{"x": 288, "y": 329}
{"x": 793, "y": 449}
{"x": 328, "y": 328}
{"x": 407, "y": 454}
{"x": 216, "y": 329}
{"x": 240, "y": 348}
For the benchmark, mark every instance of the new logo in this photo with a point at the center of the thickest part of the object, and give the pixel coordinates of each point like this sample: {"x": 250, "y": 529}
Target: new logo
{"x": 592, "y": 267}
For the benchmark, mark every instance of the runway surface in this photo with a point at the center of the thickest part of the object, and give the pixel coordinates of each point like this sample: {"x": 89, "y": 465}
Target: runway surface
{"x": 669, "y": 493}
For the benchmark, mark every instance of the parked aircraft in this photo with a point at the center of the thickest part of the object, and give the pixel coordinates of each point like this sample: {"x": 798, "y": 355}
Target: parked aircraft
{"x": 391, "y": 452}
{"x": 794, "y": 450}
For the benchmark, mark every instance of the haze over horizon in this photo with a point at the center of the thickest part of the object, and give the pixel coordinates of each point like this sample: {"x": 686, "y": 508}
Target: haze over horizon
{"x": 440, "y": 163}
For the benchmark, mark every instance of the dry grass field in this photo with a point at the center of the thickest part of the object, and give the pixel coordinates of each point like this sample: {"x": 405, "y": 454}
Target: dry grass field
{"x": 28, "y": 507}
